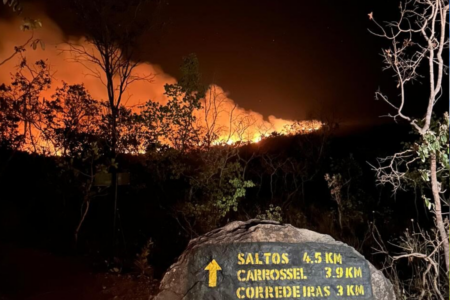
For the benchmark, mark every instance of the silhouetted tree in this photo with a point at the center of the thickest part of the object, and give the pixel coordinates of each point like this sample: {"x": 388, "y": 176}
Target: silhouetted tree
{"x": 175, "y": 122}
{"x": 10, "y": 138}
{"x": 112, "y": 30}
{"x": 24, "y": 97}
{"x": 71, "y": 119}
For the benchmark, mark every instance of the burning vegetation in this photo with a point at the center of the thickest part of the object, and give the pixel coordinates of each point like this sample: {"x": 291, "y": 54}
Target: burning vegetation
{"x": 50, "y": 101}
{"x": 70, "y": 117}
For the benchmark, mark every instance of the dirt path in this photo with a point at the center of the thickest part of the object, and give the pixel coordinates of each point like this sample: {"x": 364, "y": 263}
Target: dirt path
{"x": 29, "y": 274}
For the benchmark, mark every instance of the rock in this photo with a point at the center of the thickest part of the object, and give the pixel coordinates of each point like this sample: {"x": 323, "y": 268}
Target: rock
{"x": 265, "y": 259}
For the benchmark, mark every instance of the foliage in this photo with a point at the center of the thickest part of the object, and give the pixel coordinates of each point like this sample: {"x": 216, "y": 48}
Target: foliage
{"x": 345, "y": 189}
{"x": 10, "y": 138}
{"x": 23, "y": 104}
{"x": 141, "y": 260}
{"x": 176, "y": 120}
{"x": 435, "y": 142}
{"x": 417, "y": 167}
{"x": 274, "y": 213}
{"x": 227, "y": 202}
{"x": 80, "y": 170}
{"x": 216, "y": 184}
{"x": 71, "y": 120}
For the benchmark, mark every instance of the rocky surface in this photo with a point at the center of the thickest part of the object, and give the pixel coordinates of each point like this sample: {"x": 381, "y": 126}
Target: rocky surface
{"x": 175, "y": 284}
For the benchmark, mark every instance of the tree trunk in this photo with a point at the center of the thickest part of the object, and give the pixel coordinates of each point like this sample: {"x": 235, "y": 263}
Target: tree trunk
{"x": 340, "y": 216}
{"x": 438, "y": 209}
{"x": 114, "y": 115}
{"x": 86, "y": 209}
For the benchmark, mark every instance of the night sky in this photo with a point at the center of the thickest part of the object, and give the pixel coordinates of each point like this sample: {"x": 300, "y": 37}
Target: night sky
{"x": 292, "y": 59}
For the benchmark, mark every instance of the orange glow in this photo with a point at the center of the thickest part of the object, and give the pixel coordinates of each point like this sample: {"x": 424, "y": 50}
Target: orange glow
{"x": 233, "y": 124}
{"x": 220, "y": 116}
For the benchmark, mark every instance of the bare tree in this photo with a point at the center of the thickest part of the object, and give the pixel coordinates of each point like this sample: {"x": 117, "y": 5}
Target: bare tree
{"x": 223, "y": 122}
{"x": 420, "y": 248}
{"x": 418, "y": 40}
{"x": 212, "y": 108}
{"x": 112, "y": 30}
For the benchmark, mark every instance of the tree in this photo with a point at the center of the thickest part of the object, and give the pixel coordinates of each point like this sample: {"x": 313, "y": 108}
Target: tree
{"x": 222, "y": 122}
{"x": 344, "y": 183}
{"x": 23, "y": 97}
{"x": 184, "y": 100}
{"x": 71, "y": 122}
{"x": 81, "y": 170}
{"x": 71, "y": 119}
{"x": 133, "y": 136}
{"x": 216, "y": 185}
{"x": 418, "y": 41}
{"x": 175, "y": 123}
{"x": 10, "y": 138}
{"x": 112, "y": 30}
{"x": 214, "y": 105}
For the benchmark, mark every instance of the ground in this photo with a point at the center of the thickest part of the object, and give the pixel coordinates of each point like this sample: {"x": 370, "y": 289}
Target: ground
{"x": 40, "y": 275}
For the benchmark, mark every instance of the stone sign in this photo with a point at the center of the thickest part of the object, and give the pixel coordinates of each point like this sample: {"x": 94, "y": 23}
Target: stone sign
{"x": 278, "y": 271}
{"x": 266, "y": 260}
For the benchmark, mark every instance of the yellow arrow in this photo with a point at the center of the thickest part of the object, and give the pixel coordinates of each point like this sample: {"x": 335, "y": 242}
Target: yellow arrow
{"x": 213, "y": 267}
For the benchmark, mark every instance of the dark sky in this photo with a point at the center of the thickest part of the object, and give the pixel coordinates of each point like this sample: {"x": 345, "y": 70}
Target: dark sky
{"x": 288, "y": 58}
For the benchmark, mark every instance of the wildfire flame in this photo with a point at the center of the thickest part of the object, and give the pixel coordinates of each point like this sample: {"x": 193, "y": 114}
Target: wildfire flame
{"x": 219, "y": 114}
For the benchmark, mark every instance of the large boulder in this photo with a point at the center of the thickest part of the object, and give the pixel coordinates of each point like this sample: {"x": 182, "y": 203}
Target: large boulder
{"x": 265, "y": 259}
